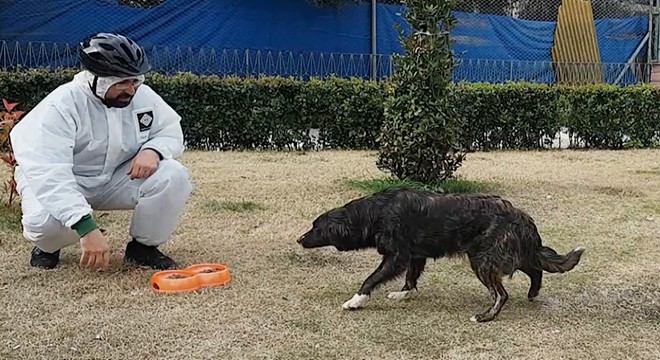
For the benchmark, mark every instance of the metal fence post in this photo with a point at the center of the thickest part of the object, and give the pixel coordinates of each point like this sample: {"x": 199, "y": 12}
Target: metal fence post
{"x": 649, "y": 44}
{"x": 656, "y": 31}
{"x": 373, "y": 40}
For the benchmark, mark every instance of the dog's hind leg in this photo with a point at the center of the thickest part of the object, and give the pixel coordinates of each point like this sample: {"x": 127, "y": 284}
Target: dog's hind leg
{"x": 536, "y": 277}
{"x": 476, "y": 267}
{"x": 492, "y": 279}
{"x": 415, "y": 269}
{"x": 388, "y": 269}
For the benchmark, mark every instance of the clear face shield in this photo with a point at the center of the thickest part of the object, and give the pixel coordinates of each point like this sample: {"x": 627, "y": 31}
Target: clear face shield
{"x": 101, "y": 85}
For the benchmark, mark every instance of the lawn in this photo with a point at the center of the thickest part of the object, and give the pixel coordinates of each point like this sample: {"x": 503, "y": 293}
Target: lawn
{"x": 285, "y": 302}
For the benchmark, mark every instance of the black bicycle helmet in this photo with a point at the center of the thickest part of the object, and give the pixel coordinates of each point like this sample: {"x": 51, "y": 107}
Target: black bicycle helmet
{"x": 110, "y": 54}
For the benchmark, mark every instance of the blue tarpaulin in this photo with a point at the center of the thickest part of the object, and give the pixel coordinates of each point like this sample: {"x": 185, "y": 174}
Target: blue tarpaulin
{"x": 293, "y": 25}
{"x": 233, "y": 36}
{"x": 490, "y": 47}
{"x": 498, "y": 48}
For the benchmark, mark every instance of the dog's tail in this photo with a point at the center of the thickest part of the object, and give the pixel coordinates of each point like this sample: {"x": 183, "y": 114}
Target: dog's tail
{"x": 557, "y": 263}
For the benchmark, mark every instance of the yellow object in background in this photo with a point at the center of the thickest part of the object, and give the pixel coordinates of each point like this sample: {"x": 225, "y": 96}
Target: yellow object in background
{"x": 575, "y": 49}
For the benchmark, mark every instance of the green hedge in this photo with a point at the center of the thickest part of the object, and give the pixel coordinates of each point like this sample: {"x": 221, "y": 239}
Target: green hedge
{"x": 234, "y": 113}
{"x": 272, "y": 112}
{"x": 601, "y": 115}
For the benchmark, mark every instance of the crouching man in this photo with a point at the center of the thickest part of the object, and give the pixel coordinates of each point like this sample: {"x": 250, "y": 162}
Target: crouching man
{"x": 104, "y": 141}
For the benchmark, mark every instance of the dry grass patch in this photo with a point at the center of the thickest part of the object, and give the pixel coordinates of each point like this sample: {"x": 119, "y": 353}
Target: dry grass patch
{"x": 284, "y": 302}
{"x": 237, "y": 206}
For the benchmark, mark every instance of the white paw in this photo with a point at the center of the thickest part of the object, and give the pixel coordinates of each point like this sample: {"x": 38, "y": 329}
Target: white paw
{"x": 473, "y": 318}
{"x": 355, "y": 302}
{"x": 400, "y": 295}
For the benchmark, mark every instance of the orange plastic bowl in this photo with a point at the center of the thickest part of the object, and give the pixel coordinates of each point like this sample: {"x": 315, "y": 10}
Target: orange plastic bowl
{"x": 174, "y": 281}
{"x": 210, "y": 274}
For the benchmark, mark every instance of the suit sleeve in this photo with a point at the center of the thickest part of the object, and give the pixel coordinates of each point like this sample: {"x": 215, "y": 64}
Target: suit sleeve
{"x": 43, "y": 148}
{"x": 166, "y": 135}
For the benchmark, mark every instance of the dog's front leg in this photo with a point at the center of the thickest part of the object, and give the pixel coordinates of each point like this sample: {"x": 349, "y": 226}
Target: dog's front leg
{"x": 389, "y": 268}
{"x": 415, "y": 269}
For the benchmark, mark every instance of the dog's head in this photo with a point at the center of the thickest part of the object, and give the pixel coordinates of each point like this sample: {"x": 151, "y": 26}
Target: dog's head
{"x": 331, "y": 228}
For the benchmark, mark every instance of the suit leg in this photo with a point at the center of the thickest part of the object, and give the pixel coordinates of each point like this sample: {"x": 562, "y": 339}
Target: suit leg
{"x": 157, "y": 201}
{"x": 41, "y": 229}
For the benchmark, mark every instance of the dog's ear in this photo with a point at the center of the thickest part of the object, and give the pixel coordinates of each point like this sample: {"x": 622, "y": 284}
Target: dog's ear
{"x": 339, "y": 223}
{"x": 340, "y": 230}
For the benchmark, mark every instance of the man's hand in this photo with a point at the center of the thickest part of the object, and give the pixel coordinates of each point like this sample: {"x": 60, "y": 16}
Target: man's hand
{"x": 95, "y": 250}
{"x": 143, "y": 165}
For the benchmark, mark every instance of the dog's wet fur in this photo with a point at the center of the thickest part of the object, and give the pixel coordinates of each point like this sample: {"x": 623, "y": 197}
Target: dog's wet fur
{"x": 408, "y": 226}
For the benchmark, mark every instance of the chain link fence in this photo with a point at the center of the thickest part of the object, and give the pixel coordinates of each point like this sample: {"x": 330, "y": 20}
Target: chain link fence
{"x": 510, "y": 40}
{"x": 495, "y": 40}
{"x": 547, "y": 10}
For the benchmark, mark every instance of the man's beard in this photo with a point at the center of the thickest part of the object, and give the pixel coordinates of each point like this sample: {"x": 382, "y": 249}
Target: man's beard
{"x": 116, "y": 103}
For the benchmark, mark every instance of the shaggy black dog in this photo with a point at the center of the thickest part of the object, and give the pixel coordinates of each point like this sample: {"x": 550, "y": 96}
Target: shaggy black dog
{"x": 407, "y": 226}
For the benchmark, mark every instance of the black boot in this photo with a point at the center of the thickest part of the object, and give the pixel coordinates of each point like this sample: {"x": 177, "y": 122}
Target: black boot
{"x": 42, "y": 259}
{"x": 144, "y": 255}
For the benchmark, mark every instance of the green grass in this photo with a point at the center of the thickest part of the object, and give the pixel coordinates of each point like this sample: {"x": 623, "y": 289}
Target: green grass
{"x": 10, "y": 217}
{"x": 652, "y": 207}
{"x": 454, "y": 185}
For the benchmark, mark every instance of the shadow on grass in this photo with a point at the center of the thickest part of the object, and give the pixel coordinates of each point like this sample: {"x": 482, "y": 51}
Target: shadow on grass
{"x": 455, "y": 185}
{"x": 236, "y": 206}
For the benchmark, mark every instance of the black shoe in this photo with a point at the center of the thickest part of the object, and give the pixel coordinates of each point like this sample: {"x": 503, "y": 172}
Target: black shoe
{"x": 144, "y": 255}
{"x": 42, "y": 259}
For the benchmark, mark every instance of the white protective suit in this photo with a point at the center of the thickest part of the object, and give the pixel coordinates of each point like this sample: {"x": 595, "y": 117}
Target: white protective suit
{"x": 73, "y": 155}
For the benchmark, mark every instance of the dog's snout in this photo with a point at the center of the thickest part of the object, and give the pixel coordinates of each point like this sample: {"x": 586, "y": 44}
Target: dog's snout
{"x": 300, "y": 239}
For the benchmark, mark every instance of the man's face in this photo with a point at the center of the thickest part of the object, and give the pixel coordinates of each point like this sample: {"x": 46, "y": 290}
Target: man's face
{"x": 120, "y": 94}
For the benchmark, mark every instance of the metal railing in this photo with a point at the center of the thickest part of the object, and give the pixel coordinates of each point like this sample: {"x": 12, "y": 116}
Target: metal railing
{"x": 321, "y": 65}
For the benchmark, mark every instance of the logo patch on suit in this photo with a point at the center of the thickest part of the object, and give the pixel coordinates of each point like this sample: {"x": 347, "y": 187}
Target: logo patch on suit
{"x": 145, "y": 119}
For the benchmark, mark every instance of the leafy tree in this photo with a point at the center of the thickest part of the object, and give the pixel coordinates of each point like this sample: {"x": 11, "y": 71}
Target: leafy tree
{"x": 421, "y": 134}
